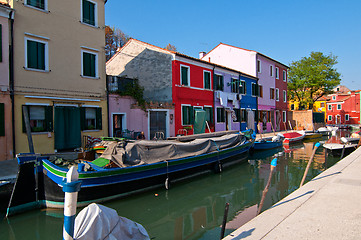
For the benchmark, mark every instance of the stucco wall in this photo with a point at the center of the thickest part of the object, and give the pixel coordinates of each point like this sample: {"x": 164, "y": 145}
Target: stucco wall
{"x": 152, "y": 66}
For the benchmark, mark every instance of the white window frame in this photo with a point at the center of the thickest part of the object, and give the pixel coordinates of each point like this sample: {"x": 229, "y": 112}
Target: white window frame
{"x": 284, "y": 76}
{"x": 284, "y": 116}
{"x": 83, "y": 50}
{"x": 210, "y": 79}
{"x": 259, "y": 69}
{"x": 284, "y": 96}
{"x": 329, "y": 107}
{"x": 40, "y": 9}
{"x": 329, "y": 118}
{"x": 277, "y": 73}
{"x": 271, "y": 70}
{"x": 347, "y": 117}
{"x": 339, "y": 107}
{"x": 46, "y": 52}
{"x": 277, "y": 93}
{"x": 188, "y": 77}
{"x": 95, "y": 13}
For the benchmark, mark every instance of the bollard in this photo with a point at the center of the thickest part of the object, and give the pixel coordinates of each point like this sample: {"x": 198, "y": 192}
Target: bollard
{"x": 71, "y": 187}
{"x": 309, "y": 163}
{"x": 224, "y": 220}
{"x": 273, "y": 166}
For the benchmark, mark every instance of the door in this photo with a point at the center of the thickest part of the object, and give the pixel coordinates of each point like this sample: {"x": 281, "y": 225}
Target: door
{"x": 228, "y": 120}
{"x": 157, "y": 124}
{"x": 278, "y": 119}
{"x": 117, "y": 125}
{"x": 67, "y": 129}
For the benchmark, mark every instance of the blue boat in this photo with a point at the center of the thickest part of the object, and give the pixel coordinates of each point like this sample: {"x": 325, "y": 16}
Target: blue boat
{"x": 127, "y": 167}
{"x": 268, "y": 143}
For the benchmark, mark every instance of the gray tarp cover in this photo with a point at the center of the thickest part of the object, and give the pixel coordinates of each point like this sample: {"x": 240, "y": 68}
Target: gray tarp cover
{"x": 100, "y": 222}
{"x": 146, "y": 152}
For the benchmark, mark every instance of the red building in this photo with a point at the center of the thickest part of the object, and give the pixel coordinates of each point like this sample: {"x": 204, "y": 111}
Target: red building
{"x": 281, "y": 94}
{"x": 343, "y": 108}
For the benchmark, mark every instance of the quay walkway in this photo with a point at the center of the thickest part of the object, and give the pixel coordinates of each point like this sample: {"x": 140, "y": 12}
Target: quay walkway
{"x": 327, "y": 207}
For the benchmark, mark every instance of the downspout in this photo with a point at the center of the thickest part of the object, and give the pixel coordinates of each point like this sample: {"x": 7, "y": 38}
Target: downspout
{"x": 240, "y": 106}
{"x": 257, "y": 109}
{"x": 11, "y": 78}
{"x": 107, "y": 90}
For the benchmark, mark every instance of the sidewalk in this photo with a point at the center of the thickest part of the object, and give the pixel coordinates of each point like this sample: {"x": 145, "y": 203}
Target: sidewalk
{"x": 8, "y": 169}
{"x": 327, "y": 207}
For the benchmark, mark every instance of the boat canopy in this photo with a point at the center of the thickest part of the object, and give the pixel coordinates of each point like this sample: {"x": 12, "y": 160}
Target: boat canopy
{"x": 125, "y": 154}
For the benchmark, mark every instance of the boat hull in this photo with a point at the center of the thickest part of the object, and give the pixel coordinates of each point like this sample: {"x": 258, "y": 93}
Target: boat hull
{"x": 259, "y": 146}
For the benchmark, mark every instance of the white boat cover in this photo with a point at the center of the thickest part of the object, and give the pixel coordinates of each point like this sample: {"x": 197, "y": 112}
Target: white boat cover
{"x": 126, "y": 154}
{"x": 99, "y": 222}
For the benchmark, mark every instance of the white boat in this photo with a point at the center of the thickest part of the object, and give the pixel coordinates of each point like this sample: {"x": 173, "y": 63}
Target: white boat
{"x": 324, "y": 131}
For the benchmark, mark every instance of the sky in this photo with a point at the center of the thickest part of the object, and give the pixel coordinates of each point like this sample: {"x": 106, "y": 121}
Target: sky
{"x": 283, "y": 30}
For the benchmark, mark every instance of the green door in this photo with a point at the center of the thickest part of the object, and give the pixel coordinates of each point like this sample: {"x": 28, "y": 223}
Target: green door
{"x": 67, "y": 129}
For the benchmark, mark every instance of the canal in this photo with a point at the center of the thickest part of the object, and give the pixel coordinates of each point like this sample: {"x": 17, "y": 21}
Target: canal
{"x": 194, "y": 209}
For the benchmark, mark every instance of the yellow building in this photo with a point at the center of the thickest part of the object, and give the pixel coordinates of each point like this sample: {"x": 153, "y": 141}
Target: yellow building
{"x": 59, "y": 72}
{"x": 318, "y": 106}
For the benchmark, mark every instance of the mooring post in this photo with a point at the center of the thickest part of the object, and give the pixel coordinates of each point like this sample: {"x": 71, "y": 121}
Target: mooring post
{"x": 224, "y": 220}
{"x": 273, "y": 166}
{"x": 71, "y": 187}
{"x": 309, "y": 162}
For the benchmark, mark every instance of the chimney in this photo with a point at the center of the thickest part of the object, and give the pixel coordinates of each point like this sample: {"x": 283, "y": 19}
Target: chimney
{"x": 202, "y": 54}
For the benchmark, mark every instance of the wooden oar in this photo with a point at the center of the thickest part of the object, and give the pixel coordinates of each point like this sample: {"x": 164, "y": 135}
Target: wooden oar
{"x": 273, "y": 166}
{"x": 309, "y": 163}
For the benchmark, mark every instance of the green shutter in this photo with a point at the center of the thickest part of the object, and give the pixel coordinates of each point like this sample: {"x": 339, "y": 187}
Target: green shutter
{"x": 2, "y": 119}
{"x": 88, "y": 12}
{"x": 49, "y": 118}
{"x": 22, "y": 117}
{"x": 41, "y": 56}
{"x": 1, "y": 44}
{"x": 82, "y": 118}
{"x": 89, "y": 64}
{"x": 184, "y": 72}
{"x": 92, "y": 65}
{"x": 32, "y": 54}
{"x": 98, "y": 118}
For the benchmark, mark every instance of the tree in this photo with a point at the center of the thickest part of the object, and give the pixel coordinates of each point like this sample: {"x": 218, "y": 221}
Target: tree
{"x": 171, "y": 47}
{"x": 312, "y": 77}
{"x": 114, "y": 39}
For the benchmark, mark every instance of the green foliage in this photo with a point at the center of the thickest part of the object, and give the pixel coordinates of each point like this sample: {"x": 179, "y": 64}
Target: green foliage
{"x": 134, "y": 90}
{"x": 312, "y": 77}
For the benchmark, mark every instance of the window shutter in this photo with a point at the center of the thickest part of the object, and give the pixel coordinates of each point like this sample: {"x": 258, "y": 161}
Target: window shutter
{"x": 91, "y": 13}
{"x": 22, "y": 117}
{"x": 184, "y": 75}
{"x": 49, "y": 118}
{"x": 1, "y": 44}
{"x": 85, "y": 11}
{"x": 41, "y": 56}
{"x": 32, "y": 54}
{"x": 222, "y": 83}
{"x": 92, "y": 65}
{"x": 82, "y": 118}
{"x": 2, "y": 120}
{"x": 98, "y": 118}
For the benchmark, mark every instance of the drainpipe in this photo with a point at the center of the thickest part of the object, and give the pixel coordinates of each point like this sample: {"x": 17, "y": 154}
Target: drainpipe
{"x": 240, "y": 106}
{"x": 11, "y": 78}
{"x": 107, "y": 90}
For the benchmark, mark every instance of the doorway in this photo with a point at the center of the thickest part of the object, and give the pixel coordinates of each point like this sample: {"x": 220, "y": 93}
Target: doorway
{"x": 67, "y": 128}
{"x": 158, "y": 124}
{"x": 118, "y": 124}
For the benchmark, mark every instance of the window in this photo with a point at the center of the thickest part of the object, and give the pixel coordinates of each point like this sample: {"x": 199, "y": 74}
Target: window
{"x": 237, "y": 113}
{"x": 333, "y": 97}
{"x": 187, "y": 115}
{"x": 209, "y": 114}
{"x": 284, "y": 76}
{"x": 36, "y": 54}
{"x": 339, "y": 107}
{"x": 284, "y": 117}
{"x": 185, "y": 75}
{"x": 258, "y": 66}
{"x": 271, "y": 70}
{"x": 277, "y": 73}
{"x": 260, "y": 90}
{"x": 1, "y": 44}
{"x": 277, "y": 94}
{"x": 91, "y": 118}
{"x": 90, "y": 64}
{"x": 89, "y": 12}
{"x": 234, "y": 85}
{"x": 272, "y": 93}
{"x": 329, "y": 107}
{"x": 219, "y": 82}
{"x": 284, "y": 96}
{"x": 292, "y": 107}
{"x": 254, "y": 89}
{"x": 41, "y": 4}
{"x": 242, "y": 88}
{"x": 207, "y": 79}
{"x": 322, "y": 104}
{"x": 221, "y": 115}
{"x": 329, "y": 117}
{"x": 347, "y": 117}
{"x": 40, "y": 118}
{"x": 2, "y": 119}
{"x": 243, "y": 115}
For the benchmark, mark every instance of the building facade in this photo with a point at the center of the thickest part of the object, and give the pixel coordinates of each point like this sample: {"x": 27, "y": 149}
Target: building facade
{"x": 59, "y": 73}
{"x": 344, "y": 108}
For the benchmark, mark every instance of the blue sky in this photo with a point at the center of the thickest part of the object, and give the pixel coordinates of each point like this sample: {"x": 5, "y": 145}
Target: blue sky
{"x": 283, "y": 30}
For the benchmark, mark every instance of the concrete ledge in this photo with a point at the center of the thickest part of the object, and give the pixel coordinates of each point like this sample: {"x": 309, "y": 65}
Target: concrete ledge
{"x": 327, "y": 207}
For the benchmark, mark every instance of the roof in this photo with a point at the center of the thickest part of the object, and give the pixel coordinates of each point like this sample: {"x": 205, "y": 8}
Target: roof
{"x": 181, "y": 55}
{"x": 248, "y": 51}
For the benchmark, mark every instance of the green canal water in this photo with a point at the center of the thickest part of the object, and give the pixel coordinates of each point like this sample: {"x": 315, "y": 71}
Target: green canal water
{"x": 194, "y": 209}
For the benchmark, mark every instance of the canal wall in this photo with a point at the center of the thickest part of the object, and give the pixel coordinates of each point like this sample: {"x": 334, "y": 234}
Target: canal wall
{"x": 327, "y": 207}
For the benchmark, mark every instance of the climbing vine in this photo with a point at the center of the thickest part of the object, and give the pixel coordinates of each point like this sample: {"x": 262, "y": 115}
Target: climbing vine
{"x": 134, "y": 90}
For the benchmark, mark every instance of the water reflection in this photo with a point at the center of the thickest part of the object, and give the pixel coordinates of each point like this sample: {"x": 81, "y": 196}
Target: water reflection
{"x": 194, "y": 209}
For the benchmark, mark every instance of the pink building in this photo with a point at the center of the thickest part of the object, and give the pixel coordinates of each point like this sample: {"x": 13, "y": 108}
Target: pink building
{"x": 6, "y": 140}
{"x": 264, "y": 68}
